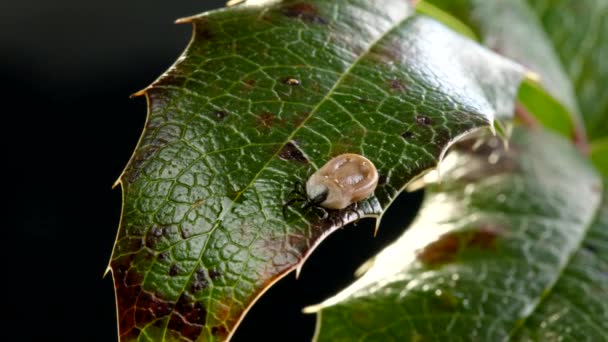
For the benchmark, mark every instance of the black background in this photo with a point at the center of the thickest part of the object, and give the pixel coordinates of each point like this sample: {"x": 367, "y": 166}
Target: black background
{"x": 67, "y": 69}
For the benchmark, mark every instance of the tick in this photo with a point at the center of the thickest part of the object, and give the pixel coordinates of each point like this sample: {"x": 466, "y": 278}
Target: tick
{"x": 346, "y": 179}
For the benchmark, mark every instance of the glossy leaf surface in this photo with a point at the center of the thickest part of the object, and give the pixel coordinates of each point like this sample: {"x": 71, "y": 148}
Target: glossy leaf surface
{"x": 502, "y": 230}
{"x": 263, "y": 95}
{"x": 576, "y": 309}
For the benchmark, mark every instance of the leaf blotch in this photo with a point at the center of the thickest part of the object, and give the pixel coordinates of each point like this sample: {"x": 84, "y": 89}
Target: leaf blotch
{"x": 157, "y": 234}
{"x": 266, "y": 119}
{"x": 188, "y": 318}
{"x": 199, "y": 281}
{"x": 448, "y": 247}
{"x": 219, "y": 331}
{"x": 174, "y": 270}
{"x": 396, "y": 85}
{"x": 214, "y": 274}
{"x": 423, "y": 120}
{"x": 407, "y": 135}
{"x": 164, "y": 256}
{"x": 202, "y": 29}
{"x": 291, "y": 152}
{"x": 220, "y": 115}
{"x": 305, "y": 12}
{"x": 150, "y": 308}
{"x": 249, "y": 83}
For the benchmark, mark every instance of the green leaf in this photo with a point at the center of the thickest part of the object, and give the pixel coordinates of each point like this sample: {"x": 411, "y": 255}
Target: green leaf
{"x": 263, "y": 95}
{"x": 577, "y": 307}
{"x": 563, "y": 41}
{"x": 578, "y": 30}
{"x": 549, "y": 112}
{"x": 426, "y": 8}
{"x": 599, "y": 155}
{"x": 493, "y": 239}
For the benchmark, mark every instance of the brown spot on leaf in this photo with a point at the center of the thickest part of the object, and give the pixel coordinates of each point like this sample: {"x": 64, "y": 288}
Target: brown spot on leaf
{"x": 407, "y": 135}
{"x": 305, "y": 12}
{"x": 179, "y": 324}
{"x": 186, "y": 233}
{"x": 141, "y": 157}
{"x": 189, "y": 317}
{"x": 447, "y": 248}
{"x": 347, "y": 142}
{"x": 174, "y": 270}
{"x": 202, "y": 29}
{"x": 423, "y": 120}
{"x": 130, "y": 335}
{"x": 292, "y": 81}
{"x": 155, "y": 235}
{"x": 396, "y": 84}
{"x": 157, "y": 231}
{"x": 164, "y": 256}
{"x": 291, "y": 152}
{"x": 266, "y": 119}
{"x": 250, "y": 83}
{"x": 130, "y": 297}
{"x": 297, "y": 241}
{"x": 220, "y": 114}
{"x": 133, "y": 278}
{"x": 199, "y": 281}
{"x": 150, "y": 308}
{"x": 199, "y": 202}
{"x": 214, "y": 274}
{"x": 219, "y": 331}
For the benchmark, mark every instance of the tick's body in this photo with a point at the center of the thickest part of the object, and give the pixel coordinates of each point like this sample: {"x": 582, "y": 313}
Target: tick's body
{"x": 342, "y": 181}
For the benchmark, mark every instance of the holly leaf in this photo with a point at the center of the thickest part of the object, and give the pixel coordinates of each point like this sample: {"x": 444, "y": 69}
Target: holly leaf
{"x": 264, "y": 94}
{"x": 494, "y": 238}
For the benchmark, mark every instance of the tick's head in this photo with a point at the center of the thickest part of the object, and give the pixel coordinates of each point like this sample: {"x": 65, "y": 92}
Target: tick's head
{"x": 316, "y": 193}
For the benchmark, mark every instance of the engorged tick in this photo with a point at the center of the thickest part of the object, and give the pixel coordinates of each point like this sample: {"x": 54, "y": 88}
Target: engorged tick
{"x": 346, "y": 179}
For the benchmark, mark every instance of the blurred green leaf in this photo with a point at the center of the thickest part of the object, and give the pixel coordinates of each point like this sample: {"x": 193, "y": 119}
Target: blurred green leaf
{"x": 578, "y": 30}
{"x": 577, "y": 306}
{"x": 563, "y": 41}
{"x": 263, "y": 95}
{"x": 499, "y": 241}
{"x": 599, "y": 155}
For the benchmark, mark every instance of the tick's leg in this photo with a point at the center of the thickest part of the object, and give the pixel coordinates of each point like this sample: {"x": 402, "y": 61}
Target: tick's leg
{"x": 289, "y": 203}
{"x": 355, "y": 209}
{"x": 324, "y": 211}
{"x": 299, "y": 187}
